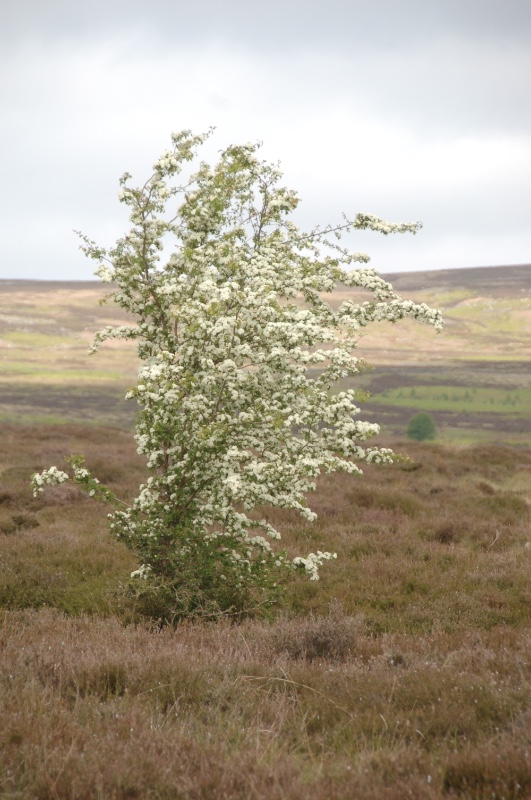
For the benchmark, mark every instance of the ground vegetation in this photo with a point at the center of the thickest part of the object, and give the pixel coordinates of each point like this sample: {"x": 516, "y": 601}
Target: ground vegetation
{"x": 404, "y": 672}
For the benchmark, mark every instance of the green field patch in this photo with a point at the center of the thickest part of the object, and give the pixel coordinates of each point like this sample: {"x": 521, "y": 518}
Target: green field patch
{"x": 502, "y": 316}
{"x": 457, "y": 398}
{"x": 473, "y": 436}
{"x": 15, "y": 417}
{"x": 43, "y": 373}
{"x": 449, "y": 298}
{"x": 34, "y": 339}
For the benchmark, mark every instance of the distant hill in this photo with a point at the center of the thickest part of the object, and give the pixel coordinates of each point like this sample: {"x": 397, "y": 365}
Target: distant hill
{"x": 492, "y": 281}
{"x": 475, "y": 378}
{"x": 497, "y": 281}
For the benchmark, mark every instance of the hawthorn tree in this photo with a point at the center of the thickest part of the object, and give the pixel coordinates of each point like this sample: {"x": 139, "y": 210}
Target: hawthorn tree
{"x": 240, "y": 352}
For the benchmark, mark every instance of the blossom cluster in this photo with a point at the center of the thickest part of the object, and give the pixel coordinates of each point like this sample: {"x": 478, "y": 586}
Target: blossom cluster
{"x": 80, "y": 476}
{"x": 312, "y": 563}
{"x": 240, "y": 356}
{"x": 48, "y": 477}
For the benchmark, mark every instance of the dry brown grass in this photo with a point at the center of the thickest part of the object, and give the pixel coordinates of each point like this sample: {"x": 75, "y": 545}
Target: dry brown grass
{"x": 403, "y": 673}
{"x": 91, "y": 708}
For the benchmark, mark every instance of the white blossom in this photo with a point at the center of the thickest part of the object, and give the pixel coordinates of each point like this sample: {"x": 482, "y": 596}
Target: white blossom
{"x": 104, "y": 273}
{"x": 48, "y": 477}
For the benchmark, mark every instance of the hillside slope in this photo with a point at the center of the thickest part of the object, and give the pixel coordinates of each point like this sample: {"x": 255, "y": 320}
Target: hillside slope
{"x": 475, "y": 377}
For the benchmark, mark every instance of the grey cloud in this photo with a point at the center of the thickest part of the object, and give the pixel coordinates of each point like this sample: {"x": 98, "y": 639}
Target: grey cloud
{"x": 277, "y": 25}
{"x": 410, "y": 110}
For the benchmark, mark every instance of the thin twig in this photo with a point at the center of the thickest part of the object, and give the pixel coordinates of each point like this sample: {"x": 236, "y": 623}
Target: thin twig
{"x": 496, "y": 538}
{"x": 295, "y": 683}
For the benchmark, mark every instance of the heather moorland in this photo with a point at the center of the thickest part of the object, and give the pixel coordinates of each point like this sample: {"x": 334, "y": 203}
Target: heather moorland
{"x": 403, "y": 673}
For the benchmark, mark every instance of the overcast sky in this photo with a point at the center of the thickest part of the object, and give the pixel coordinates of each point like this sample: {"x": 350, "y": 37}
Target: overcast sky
{"x": 408, "y": 109}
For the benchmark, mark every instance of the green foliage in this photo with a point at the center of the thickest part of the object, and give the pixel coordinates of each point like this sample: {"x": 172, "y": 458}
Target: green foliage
{"x": 421, "y": 427}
